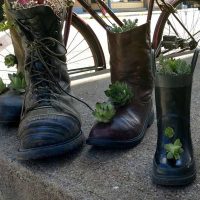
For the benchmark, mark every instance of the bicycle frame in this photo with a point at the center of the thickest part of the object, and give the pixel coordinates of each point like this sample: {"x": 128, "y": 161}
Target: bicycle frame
{"x": 101, "y": 3}
{"x": 94, "y": 14}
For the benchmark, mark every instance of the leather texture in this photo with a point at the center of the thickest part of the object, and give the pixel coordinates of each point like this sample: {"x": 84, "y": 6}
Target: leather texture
{"x": 49, "y": 117}
{"x": 173, "y": 110}
{"x": 130, "y": 62}
{"x": 10, "y": 107}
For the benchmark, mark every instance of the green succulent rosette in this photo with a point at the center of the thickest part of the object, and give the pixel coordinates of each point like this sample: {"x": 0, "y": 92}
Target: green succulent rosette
{"x": 169, "y": 132}
{"x": 3, "y": 87}
{"x": 119, "y": 93}
{"x": 173, "y": 66}
{"x": 10, "y": 60}
{"x": 18, "y": 82}
{"x": 128, "y": 25}
{"x": 5, "y": 25}
{"x": 174, "y": 150}
{"x": 104, "y": 112}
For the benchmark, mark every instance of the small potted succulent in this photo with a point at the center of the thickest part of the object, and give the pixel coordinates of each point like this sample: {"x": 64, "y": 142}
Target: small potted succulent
{"x": 130, "y": 67}
{"x": 11, "y": 99}
{"x": 173, "y": 161}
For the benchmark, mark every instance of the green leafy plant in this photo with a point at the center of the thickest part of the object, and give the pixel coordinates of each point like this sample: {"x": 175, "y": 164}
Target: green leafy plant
{"x": 5, "y": 25}
{"x": 119, "y": 93}
{"x": 169, "y": 132}
{"x": 128, "y": 25}
{"x": 10, "y": 60}
{"x": 174, "y": 150}
{"x": 173, "y": 66}
{"x": 104, "y": 112}
{"x": 2, "y": 86}
{"x": 18, "y": 82}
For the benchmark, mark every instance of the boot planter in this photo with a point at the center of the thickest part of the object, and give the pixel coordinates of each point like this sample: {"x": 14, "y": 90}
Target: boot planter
{"x": 50, "y": 125}
{"x": 173, "y": 161}
{"x": 130, "y": 63}
{"x": 11, "y": 99}
{"x": 10, "y": 107}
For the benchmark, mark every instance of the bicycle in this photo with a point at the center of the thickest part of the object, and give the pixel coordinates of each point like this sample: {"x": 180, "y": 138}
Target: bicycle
{"x": 169, "y": 38}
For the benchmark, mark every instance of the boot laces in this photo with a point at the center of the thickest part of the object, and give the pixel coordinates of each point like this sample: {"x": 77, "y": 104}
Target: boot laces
{"x": 45, "y": 85}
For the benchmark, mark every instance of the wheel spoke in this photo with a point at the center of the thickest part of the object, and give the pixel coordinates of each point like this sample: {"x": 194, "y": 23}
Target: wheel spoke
{"x": 78, "y": 54}
{"x": 79, "y": 60}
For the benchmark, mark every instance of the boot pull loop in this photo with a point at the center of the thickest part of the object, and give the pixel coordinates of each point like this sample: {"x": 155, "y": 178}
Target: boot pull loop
{"x": 194, "y": 60}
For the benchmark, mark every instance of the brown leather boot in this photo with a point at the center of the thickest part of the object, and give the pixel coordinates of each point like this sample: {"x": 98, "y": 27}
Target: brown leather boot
{"x": 130, "y": 62}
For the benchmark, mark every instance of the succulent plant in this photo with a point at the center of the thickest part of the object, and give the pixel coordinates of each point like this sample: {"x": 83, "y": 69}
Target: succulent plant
{"x": 18, "y": 82}
{"x": 104, "y": 112}
{"x": 10, "y": 60}
{"x": 5, "y": 25}
{"x": 173, "y": 66}
{"x": 2, "y": 86}
{"x": 119, "y": 93}
{"x": 169, "y": 132}
{"x": 128, "y": 25}
{"x": 174, "y": 150}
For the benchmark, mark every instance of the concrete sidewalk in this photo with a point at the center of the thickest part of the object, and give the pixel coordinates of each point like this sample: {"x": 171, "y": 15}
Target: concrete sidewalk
{"x": 94, "y": 174}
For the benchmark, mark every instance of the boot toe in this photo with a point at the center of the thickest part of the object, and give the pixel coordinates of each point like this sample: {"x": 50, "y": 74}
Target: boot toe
{"x": 49, "y": 136}
{"x": 109, "y": 136}
{"x": 174, "y": 172}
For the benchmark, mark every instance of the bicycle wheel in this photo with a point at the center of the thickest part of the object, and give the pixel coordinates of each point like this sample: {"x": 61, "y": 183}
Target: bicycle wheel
{"x": 178, "y": 34}
{"x": 84, "y": 52}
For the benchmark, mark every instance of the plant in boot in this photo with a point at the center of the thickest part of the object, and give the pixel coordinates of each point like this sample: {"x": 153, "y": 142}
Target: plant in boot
{"x": 174, "y": 163}
{"x": 104, "y": 112}
{"x": 128, "y": 25}
{"x": 130, "y": 65}
{"x": 119, "y": 93}
{"x": 18, "y": 82}
{"x": 10, "y": 60}
{"x": 174, "y": 150}
{"x": 5, "y": 25}
{"x": 10, "y": 105}
{"x": 173, "y": 66}
{"x": 169, "y": 132}
{"x": 3, "y": 87}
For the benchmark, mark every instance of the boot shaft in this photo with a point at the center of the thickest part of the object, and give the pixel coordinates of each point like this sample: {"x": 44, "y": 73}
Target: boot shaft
{"x": 173, "y": 95}
{"x": 45, "y": 67}
{"x": 130, "y": 59}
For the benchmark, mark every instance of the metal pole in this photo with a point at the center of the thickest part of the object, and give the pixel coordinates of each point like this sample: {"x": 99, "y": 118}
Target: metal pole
{"x": 109, "y": 4}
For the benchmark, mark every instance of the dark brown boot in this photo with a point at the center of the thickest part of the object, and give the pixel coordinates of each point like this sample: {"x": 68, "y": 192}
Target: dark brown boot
{"x": 50, "y": 125}
{"x": 130, "y": 62}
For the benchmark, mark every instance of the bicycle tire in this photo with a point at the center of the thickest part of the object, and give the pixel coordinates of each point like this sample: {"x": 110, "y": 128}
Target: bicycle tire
{"x": 93, "y": 44}
{"x": 162, "y": 21}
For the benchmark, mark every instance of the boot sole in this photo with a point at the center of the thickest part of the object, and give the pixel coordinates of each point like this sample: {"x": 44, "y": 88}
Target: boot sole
{"x": 52, "y": 150}
{"x": 173, "y": 180}
{"x": 105, "y": 143}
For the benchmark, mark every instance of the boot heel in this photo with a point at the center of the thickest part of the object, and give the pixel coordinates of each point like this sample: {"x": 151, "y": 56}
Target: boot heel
{"x": 151, "y": 119}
